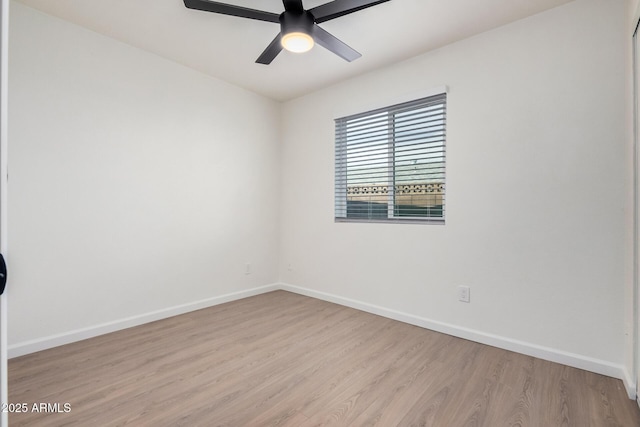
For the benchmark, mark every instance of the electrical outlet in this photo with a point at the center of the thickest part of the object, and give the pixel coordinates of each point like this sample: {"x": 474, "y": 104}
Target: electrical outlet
{"x": 247, "y": 268}
{"x": 289, "y": 267}
{"x": 464, "y": 294}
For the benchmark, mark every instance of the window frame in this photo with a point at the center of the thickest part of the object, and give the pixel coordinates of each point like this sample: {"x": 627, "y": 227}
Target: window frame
{"x": 341, "y": 169}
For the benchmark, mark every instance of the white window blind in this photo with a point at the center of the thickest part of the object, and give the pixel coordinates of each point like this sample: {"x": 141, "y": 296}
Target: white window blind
{"x": 390, "y": 163}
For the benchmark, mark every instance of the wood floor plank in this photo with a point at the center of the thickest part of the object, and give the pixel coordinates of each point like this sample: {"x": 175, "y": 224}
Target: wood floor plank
{"x": 281, "y": 359}
{"x": 389, "y": 373}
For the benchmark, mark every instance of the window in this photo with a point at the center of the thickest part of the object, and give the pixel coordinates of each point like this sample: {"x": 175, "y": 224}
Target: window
{"x": 390, "y": 163}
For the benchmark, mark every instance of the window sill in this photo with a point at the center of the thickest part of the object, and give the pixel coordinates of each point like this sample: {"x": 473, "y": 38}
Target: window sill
{"x": 431, "y": 221}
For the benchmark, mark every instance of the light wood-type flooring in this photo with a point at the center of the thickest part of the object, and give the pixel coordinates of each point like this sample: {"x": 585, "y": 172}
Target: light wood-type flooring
{"x": 284, "y": 359}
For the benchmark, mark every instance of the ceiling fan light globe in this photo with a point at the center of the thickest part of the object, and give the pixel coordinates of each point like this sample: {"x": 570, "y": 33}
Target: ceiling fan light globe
{"x": 297, "y": 42}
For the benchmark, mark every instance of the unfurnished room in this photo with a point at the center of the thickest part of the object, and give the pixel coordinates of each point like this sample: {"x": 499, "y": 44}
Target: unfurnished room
{"x": 309, "y": 213}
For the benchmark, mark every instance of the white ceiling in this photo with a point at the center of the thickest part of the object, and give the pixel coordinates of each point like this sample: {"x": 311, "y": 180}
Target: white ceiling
{"x": 226, "y": 47}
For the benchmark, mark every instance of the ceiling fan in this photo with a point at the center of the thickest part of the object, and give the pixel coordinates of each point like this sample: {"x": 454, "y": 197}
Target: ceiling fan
{"x": 298, "y": 27}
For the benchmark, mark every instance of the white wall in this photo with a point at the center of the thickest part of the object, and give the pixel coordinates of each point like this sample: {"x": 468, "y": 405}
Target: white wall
{"x": 136, "y": 184}
{"x": 537, "y": 189}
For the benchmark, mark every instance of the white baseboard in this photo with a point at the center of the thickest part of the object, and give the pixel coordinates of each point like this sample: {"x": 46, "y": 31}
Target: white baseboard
{"x": 39, "y": 344}
{"x": 554, "y": 355}
{"x": 546, "y": 353}
{"x": 629, "y": 384}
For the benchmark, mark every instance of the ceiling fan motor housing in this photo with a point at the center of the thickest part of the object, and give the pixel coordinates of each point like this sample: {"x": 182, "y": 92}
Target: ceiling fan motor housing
{"x": 296, "y": 22}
